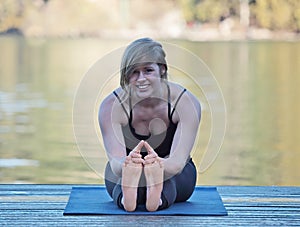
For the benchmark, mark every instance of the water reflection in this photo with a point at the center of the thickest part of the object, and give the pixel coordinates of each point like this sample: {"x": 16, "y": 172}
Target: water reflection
{"x": 14, "y": 162}
{"x": 35, "y": 114}
{"x": 259, "y": 82}
{"x": 38, "y": 80}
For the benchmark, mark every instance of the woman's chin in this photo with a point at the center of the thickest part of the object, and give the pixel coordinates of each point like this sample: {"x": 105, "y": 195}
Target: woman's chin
{"x": 142, "y": 94}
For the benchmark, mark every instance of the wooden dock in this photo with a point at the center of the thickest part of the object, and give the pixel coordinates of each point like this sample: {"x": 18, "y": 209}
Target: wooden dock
{"x": 43, "y": 205}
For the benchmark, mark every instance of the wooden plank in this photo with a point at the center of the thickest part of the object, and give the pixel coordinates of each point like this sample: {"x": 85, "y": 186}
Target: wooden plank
{"x": 138, "y": 221}
{"x": 25, "y": 205}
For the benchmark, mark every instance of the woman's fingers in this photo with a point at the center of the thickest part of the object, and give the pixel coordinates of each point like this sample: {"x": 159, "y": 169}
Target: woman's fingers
{"x": 135, "y": 156}
{"x": 148, "y": 147}
{"x": 134, "y": 159}
{"x": 161, "y": 162}
{"x": 138, "y": 160}
{"x": 151, "y": 152}
{"x": 138, "y": 147}
{"x": 150, "y": 160}
{"x": 152, "y": 155}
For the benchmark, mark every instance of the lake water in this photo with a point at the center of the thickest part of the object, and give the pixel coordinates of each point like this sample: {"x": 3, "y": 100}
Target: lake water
{"x": 259, "y": 80}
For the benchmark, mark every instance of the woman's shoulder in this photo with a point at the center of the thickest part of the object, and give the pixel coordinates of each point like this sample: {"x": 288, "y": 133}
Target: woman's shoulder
{"x": 107, "y": 101}
{"x": 112, "y": 103}
{"x": 111, "y": 98}
{"x": 179, "y": 92}
{"x": 175, "y": 89}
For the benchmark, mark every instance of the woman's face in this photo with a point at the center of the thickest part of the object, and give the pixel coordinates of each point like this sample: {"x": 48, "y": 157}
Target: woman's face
{"x": 145, "y": 80}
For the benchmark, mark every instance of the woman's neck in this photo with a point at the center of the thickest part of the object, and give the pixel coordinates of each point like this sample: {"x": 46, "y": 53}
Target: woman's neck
{"x": 155, "y": 99}
{"x": 150, "y": 102}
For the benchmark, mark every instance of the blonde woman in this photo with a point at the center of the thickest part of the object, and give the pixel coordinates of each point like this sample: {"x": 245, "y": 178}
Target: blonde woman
{"x": 149, "y": 126}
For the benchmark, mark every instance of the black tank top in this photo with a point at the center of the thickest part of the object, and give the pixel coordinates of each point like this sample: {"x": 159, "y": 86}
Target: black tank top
{"x": 161, "y": 143}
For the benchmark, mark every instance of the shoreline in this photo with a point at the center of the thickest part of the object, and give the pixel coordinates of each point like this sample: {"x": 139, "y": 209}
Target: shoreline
{"x": 194, "y": 35}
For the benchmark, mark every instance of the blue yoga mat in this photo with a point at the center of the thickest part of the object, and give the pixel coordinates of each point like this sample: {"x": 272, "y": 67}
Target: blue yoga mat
{"x": 89, "y": 200}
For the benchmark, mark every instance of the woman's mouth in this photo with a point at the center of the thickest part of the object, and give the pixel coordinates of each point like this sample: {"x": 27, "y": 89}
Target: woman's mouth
{"x": 143, "y": 86}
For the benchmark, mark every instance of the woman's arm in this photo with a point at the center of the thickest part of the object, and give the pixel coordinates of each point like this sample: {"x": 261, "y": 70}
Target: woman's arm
{"x": 188, "y": 115}
{"x": 110, "y": 118}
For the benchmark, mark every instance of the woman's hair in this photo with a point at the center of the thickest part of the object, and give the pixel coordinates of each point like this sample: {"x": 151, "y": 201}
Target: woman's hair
{"x": 139, "y": 52}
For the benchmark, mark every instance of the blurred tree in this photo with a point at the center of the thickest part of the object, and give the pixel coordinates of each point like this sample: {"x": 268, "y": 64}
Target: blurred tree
{"x": 244, "y": 13}
{"x": 270, "y": 14}
{"x": 277, "y": 14}
{"x": 188, "y": 9}
{"x": 208, "y": 10}
{"x": 88, "y": 17}
{"x": 295, "y": 15}
{"x": 216, "y": 10}
{"x": 11, "y": 15}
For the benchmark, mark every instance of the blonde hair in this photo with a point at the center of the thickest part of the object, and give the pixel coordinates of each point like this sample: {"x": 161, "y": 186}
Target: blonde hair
{"x": 142, "y": 51}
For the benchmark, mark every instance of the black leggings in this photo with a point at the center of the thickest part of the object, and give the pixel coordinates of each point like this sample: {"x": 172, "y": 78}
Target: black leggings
{"x": 176, "y": 189}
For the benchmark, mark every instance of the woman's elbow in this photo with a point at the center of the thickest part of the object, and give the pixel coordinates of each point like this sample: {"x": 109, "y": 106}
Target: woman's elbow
{"x": 175, "y": 168}
{"x": 116, "y": 167}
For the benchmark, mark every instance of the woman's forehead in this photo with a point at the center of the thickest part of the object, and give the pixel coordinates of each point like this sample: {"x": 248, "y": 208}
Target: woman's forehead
{"x": 145, "y": 65}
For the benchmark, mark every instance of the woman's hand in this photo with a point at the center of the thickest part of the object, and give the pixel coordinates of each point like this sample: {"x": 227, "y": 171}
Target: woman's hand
{"x": 152, "y": 156}
{"x": 135, "y": 155}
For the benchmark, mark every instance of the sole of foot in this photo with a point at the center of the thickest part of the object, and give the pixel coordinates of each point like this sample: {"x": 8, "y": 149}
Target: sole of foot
{"x": 154, "y": 178}
{"x": 131, "y": 174}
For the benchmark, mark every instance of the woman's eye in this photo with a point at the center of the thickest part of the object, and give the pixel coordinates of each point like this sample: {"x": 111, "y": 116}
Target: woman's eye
{"x": 149, "y": 70}
{"x": 135, "y": 73}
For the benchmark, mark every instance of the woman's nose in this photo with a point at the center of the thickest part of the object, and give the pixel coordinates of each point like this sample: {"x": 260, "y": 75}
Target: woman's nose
{"x": 141, "y": 76}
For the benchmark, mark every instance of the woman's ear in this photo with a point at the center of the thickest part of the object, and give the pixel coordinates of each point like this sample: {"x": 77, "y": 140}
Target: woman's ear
{"x": 162, "y": 69}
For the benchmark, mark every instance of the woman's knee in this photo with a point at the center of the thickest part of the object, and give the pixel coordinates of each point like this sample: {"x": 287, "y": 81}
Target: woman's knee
{"x": 169, "y": 193}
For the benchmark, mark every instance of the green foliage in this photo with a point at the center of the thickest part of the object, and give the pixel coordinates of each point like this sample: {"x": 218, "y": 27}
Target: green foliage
{"x": 215, "y": 10}
{"x": 11, "y": 14}
{"x": 57, "y": 17}
{"x": 295, "y": 15}
{"x": 270, "y": 14}
{"x": 188, "y": 9}
{"x": 208, "y": 10}
{"x": 273, "y": 14}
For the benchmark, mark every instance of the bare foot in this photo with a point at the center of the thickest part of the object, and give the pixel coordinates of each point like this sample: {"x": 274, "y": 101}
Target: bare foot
{"x": 154, "y": 177}
{"x": 131, "y": 173}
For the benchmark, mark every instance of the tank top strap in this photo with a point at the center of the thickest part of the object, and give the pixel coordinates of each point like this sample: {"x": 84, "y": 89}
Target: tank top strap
{"x": 169, "y": 102}
{"x": 118, "y": 97}
{"x": 171, "y": 115}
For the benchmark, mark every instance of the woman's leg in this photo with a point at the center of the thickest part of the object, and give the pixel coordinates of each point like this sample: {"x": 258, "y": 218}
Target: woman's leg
{"x": 186, "y": 182}
{"x": 124, "y": 194}
{"x": 113, "y": 185}
{"x": 177, "y": 189}
{"x": 169, "y": 193}
{"x": 180, "y": 187}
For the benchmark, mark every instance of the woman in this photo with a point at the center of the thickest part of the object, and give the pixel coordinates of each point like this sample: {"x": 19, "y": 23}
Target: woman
{"x": 149, "y": 126}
